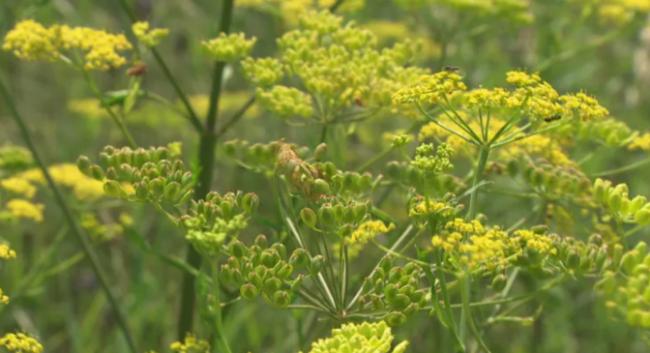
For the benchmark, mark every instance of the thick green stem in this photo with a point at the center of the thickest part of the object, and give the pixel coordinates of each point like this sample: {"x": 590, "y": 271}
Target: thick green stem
{"x": 484, "y": 153}
{"x": 207, "y": 146}
{"x": 70, "y": 219}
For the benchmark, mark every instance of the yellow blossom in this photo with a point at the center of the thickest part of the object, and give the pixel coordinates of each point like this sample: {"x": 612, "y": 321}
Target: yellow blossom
{"x": 20, "y": 208}
{"x": 364, "y": 233}
{"x": 18, "y": 186}
{"x": 29, "y": 40}
{"x": 20, "y": 343}
{"x": 148, "y": 36}
{"x": 641, "y": 142}
{"x": 229, "y": 47}
{"x": 190, "y": 345}
{"x": 6, "y": 253}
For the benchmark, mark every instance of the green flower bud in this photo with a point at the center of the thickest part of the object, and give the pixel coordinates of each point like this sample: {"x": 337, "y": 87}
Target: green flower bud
{"x": 395, "y": 318}
{"x": 248, "y": 291}
{"x": 281, "y": 298}
{"x": 309, "y": 217}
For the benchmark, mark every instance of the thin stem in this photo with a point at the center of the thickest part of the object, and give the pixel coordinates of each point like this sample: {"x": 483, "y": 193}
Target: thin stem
{"x": 207, "y": 146}
{"x": 70, "y": 219}
{"x": 236, "y": 117}
{"x": 191, "y": 114}
{"x": 397, "y": 243}
{"x": 116, "y": 119}
{"x": 218, "y": 317}
{"x": 484, "y": 153}
{"x": 623, "y": 169}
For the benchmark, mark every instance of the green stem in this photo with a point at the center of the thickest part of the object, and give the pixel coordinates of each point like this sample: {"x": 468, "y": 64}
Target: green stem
{"x": 484, "y": 153}
{"x": 116, "y": 119}
{"x": 221, "y": 335}
{"x": 207, "y": 146}
{"x": 70, "y": 219}
{"x": 191, "y": 114}
{"x": 623, "y": 169}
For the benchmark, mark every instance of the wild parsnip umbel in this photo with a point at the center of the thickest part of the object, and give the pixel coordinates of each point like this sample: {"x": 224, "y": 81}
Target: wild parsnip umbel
{"x": 386, "y": 194}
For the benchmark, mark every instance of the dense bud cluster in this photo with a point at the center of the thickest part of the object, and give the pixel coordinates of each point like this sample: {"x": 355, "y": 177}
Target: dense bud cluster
{"x": 616, "y": 202}
{"x": 154, "y": 175}
{"x": 628, "y": 293}
{"x": 397, "y": 291}
{"x": 266, "y": 271}
{"x": 229, "y": 47}
{"x": 553, "y": 180}
{"x": 214, "y": 219}
{"x": 359, "y": 338}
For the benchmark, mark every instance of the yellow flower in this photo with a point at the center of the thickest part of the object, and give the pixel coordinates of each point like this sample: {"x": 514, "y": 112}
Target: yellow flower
{"x": 229, "y": 47}
{"x": 20, "y": 343}
{"x": 286, "y": 101}
{"x": 20, "y": 208}
{"x": 364, "y": 233}
{"x": 18, "y": 186}
{"x": 640, "y": 143}
{"x": 432, "y": 89}
{"x": 101, "y": 48}
{"x": 148, "y": 36}
{"x": 29, "y": 40}
{"x": 4, "y": 299}
{"x": 84, "y": 187}
{"x": 7, "y": 253}
{"x": 190, "y": 345}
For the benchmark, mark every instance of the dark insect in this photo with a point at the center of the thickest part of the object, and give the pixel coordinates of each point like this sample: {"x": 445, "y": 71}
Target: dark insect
{"x": 552, "y": 118}
{"x": 138, "y": 69}
{"x": 451, "y": 68}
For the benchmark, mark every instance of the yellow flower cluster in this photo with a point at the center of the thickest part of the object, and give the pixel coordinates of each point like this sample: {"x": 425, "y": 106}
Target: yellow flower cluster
{"x": 24, "y": 209}
{"x": 341, "y": 66}
{"x": 431, "y": 207}
{"x": 440, "y": 87}
{"x": 20, "y": 343}
{"x": 364, "y": 233}
{"x": 229, "y": 47}
{"x": 190, "y": 344}
{"x": 68, "y": 175}
{"x": 640, "y": 143}
{"x": 359, "y": 338}
{"x": 7, "y": 253}
{"x": 537, "y": 146}
{"x": 286, "y": 101}
{"x": 18, "y": 186}
{"x": 471, "y": 245}
{"x": 148, "y": 36}
{"x": 263, "y": 72}
{"x": 4, "y": 299}
{"x": 30, "y": 40}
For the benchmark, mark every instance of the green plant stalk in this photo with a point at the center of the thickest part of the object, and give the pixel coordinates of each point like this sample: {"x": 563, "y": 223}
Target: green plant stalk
{"x": 70, "y": 219}
{"x": 207, "y": 146}
{"x": 484, "y": 153}
{"x": 466, "y": 315}
{"x": 191, "y": 114}
{"x": 116, "y": 119}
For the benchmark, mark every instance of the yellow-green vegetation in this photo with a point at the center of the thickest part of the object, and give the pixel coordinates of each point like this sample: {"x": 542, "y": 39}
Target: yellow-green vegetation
{"x": 327, "y": 176}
